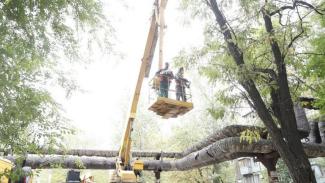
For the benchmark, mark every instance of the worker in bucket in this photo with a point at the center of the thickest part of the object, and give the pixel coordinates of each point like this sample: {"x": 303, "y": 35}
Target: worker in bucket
{"x": 181, "y": 83}
{"x": 165, "y": 75}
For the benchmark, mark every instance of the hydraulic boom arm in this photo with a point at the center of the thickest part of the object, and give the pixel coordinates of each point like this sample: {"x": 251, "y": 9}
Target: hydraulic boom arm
{"x": 125, "y": 149}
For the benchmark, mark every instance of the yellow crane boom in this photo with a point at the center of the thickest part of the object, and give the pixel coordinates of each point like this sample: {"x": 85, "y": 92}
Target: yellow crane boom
{"x": 125, "y": 171}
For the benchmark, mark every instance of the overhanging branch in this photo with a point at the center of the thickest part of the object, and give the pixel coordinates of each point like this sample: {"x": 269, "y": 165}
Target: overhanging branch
{"x": 295, "y": 4}
{"x": 302, "y": 30}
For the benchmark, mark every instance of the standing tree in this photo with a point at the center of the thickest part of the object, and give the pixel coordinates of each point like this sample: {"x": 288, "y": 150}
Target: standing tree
{"x": 36, "y": 36}
{"x": 255, "y": 50}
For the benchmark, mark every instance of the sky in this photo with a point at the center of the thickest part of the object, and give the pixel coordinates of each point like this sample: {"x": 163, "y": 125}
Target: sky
{"x": 108, "y": 82}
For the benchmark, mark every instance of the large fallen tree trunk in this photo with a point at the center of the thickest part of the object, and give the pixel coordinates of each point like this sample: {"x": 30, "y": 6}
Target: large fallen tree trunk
{"x": 228, "y": 131}
{"x": 235, "y": 130}
{"x": 67, "y": 161}
{"x": 106, "y": 153}
{"x": 222, "y": 150}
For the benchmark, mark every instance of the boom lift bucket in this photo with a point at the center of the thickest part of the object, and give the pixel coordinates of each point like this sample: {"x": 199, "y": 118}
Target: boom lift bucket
{"x": 168, "y": 107}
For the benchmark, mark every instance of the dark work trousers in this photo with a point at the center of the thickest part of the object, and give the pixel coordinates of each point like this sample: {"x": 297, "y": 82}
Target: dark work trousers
{"x": 163, "y": 89}
{"x": 180, "y": 93}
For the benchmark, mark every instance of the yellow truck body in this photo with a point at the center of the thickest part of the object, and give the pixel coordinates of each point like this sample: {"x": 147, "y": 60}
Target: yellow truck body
{"x": 5, "y": 166}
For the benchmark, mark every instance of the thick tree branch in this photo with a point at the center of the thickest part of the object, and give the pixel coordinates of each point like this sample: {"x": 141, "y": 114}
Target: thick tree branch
{"x": 278, "y": 11}
{"x": 295, "y": 4}
{"x": 310, "y": 53}
{"x": 228, "y": 131}
{"x": 311, "y": 7}
{"x": 106, "y": 153}
{"x": 291, "y": 150}
{"x": 220, "y": 151}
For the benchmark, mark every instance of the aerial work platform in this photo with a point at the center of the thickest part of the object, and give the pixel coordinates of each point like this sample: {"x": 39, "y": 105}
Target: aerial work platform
{"x": 170, "y": 108}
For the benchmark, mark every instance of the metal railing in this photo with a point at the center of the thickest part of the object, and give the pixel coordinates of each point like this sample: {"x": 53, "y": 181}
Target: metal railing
{"x": 168, "y": 90}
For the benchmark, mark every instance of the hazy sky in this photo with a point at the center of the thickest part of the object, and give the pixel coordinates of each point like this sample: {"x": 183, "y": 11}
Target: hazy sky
{"x": 110, "y": 80}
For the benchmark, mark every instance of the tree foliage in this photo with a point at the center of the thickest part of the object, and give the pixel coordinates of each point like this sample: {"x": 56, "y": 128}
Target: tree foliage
{"x": 283, "y": 173}
{"x": 36, "y": 38}
{"x": 214, "y": 61}
{"x": 254, "y": 55}
{"x": 314, "y": 67}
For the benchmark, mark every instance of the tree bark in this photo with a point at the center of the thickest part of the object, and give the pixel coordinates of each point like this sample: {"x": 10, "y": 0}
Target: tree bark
{"x": 107, "y": 153}
{"x": 220, "y": 151}
{"x": 287, "y": 140}
{"x": 291, "y": 150}
{"x": 228, "y": 131}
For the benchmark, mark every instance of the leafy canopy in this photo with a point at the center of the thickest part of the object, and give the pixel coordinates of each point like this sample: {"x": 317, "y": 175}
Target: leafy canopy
{"x": 36, "y": 38}
{"x": 303, "y": 55}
